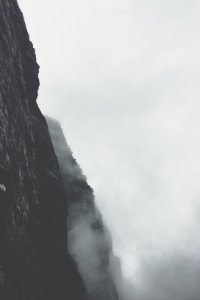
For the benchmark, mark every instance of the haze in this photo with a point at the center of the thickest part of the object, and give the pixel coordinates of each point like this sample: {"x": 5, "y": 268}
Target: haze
{"x": 122, "y": 77}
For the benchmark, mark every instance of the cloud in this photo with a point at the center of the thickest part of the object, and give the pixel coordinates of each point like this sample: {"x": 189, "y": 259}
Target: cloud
{"x": 169, "y": 278}
{"x": 123, "y": 79}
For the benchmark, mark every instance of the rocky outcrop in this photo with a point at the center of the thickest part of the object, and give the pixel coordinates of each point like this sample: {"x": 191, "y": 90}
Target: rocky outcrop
{"x": 50, "y": 228}
{"x": 34, "y": 259}
{"x": 89, "y": 240}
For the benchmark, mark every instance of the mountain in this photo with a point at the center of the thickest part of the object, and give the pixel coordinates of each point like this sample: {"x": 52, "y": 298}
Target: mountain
{"x": 90, "y": 242}
{"x": 53, "y": 243}
{"x": 34, "y": 259}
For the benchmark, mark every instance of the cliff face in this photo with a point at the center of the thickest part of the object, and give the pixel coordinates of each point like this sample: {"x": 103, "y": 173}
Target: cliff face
{"x": 89, "y": 240}
{"x": 42, "y": 209}
{"x": 34, "y": 260}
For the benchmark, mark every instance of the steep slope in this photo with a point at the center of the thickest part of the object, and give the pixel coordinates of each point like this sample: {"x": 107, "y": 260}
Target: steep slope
{"x": 89, "y": 240}
{"x": 34, "y": 260}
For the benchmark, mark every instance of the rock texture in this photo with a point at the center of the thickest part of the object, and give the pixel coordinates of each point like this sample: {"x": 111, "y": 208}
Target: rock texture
{"x": 34, "y": 259}
{"x": 40, "y": 210}
{"x": 89, "y": 240}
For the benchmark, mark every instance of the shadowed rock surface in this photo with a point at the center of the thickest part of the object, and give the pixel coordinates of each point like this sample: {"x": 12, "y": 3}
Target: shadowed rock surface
{"x": 40, "y": 209}
{"x": 34, "y": 259}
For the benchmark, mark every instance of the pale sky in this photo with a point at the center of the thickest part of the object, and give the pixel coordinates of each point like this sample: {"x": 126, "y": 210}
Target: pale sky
{"x": 122, "y": 77}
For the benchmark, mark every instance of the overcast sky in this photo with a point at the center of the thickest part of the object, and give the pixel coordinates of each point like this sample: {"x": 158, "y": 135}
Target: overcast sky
{"x": 122, "y": 77}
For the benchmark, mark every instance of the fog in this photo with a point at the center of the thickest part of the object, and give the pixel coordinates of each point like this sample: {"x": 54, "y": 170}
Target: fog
{"x": 89, "y": 241}
{"x": 122, "y": 77}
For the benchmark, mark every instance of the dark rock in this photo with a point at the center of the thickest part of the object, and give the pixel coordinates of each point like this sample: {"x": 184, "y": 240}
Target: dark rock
{"x": 34, "y": 259}
{"x": 50, "y": 228}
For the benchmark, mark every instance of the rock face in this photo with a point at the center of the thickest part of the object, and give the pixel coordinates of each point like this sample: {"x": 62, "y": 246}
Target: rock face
{"x": 89, "y": 240}
{"x": 34, "y": 259}
{"x": 40, "y": 210}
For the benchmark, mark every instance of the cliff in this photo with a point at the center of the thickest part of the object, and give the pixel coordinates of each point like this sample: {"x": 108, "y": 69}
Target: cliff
{"x": 89, "y": 240}
{"x": 51, "y": 232}
{"x": 34, "y": 259}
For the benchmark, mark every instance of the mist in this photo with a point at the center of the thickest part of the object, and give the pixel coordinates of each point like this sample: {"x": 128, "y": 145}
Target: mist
{"x": 122, "y": 77}
{"x": 174, "y": 277}
{"x": 89, "y": 241}
{"x": 170, "y": 271}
